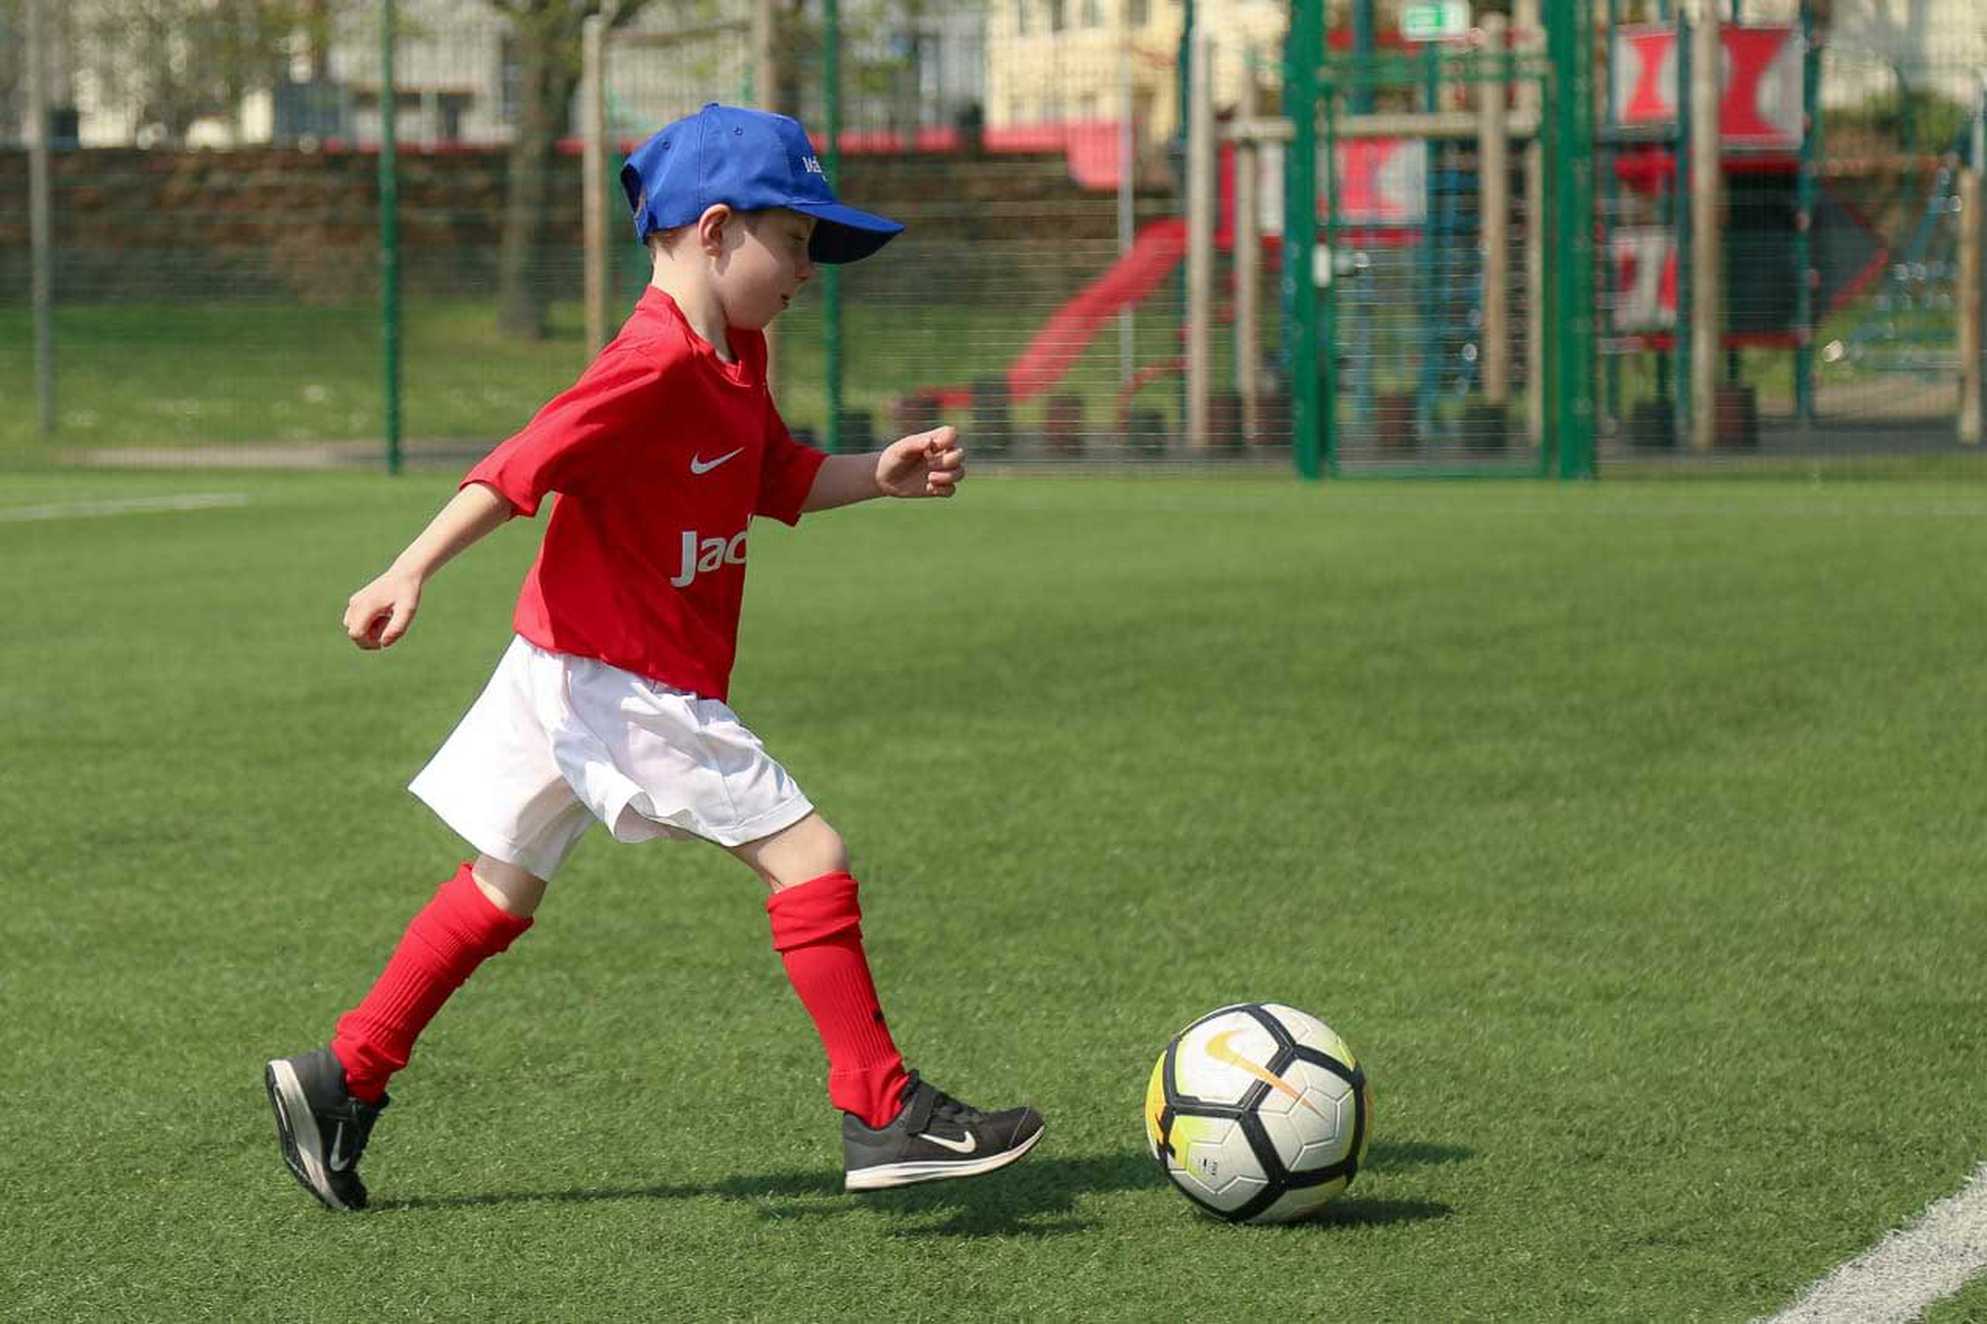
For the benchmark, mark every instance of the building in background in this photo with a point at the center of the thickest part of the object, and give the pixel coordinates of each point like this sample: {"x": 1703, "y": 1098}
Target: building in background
{"x": 1073, "y": 61}
{"x": 916, "y": 73}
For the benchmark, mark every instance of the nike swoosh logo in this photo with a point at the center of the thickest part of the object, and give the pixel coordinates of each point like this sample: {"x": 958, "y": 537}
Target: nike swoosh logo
{"x": 336, "y": 1161}
{"x": 966, "y": 1144}
{"x": 1218, "y": 1049}
{"x": 700, "y": 465}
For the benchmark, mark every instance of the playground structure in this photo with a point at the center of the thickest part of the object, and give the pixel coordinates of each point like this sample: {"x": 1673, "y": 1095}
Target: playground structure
{"x": 1737, "y": 289}
{"x": 1745, "y": 262}
{"x": 1524, "y": 247}
{"x": 1727, "y": 291}
{"x": 1505, "y": 246}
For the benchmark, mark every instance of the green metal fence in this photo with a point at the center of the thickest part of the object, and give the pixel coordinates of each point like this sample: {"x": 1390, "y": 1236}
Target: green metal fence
{"x": 1425, "y": 295}
{"x": 1824, "y": 314}
{"x": 1436, "y": 248}
{"x": 223, "y": 264}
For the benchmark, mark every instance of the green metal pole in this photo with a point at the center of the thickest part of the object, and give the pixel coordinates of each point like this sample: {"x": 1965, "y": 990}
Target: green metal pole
{"x": 1567, "y": 46}
{"x": 1182, "y": 62}
{"x": 1427, "y": 254}
{"x": 1685, "y": 382}
{"x": 1610, "y": 210}
{"x": 1330, "y": 386}
{"x": 1362, "y": 53}
{"x": 831, "y": 278}
{"x": 1303, "y": 52}
{"x": 1807, "y": 183}
{"x": 1586, "y": 328}
{"x": 1183, "y": 93}
{"x": 41, "y": 230}
{"x": 389, "y": 236}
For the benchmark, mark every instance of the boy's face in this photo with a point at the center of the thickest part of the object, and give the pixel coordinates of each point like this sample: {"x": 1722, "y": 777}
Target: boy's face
{"x": 763, "y": 265}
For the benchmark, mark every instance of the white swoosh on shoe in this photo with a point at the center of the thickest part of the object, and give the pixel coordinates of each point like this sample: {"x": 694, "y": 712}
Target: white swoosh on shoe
{"x": 966, "y": 1144}
{"x": 335, "y": 1160}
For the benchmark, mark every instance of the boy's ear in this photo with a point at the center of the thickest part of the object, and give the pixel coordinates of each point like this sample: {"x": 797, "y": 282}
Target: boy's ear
{"x": 711, "y": 226}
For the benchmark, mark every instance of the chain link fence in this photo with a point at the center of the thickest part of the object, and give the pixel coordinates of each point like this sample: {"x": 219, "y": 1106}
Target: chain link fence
{"x": 217, "y": 252}
{"x": 1848, "y": 159}
{"x": 216, "y": 262}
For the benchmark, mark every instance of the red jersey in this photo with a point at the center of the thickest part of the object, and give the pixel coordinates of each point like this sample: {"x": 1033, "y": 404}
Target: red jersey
{"x": 661, "y": 454}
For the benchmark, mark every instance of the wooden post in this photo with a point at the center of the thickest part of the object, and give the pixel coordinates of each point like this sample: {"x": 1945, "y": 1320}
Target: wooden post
{"x": 40, "y": 232}
{"x": 1972, "y": 271}
{"x": 1707, "y": 225}
{"x": 1200, "y": 235}
{"x": 1248, "y": 262}
{"x": 1494, "y": 170}
{"x": 1525, "y": 16}
{"x": 593, "y": 175}
{"x": 1972, "y": 235}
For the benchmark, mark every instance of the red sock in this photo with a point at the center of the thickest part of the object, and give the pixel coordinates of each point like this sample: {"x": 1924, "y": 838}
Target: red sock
{"x": 817, "y": 930}
{"x": 443, "y": 945}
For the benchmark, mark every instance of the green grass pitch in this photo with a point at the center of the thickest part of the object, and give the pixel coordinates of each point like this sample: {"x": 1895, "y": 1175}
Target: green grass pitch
{"x": 229, "y": 374}
{"x": 1630, "y": 833}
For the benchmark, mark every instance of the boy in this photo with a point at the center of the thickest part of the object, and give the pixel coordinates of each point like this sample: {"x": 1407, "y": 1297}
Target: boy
{"x": 610, "y": 702}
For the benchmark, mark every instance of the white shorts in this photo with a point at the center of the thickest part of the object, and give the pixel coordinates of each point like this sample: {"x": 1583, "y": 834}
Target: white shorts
{"x": 555, "y": 742}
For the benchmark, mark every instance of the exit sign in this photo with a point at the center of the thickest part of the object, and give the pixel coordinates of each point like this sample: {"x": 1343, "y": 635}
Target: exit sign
{"x": 1435, "y": 20}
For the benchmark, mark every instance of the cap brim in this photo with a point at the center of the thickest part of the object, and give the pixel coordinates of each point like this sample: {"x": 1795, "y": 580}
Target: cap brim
{"x": 843, "y": 234}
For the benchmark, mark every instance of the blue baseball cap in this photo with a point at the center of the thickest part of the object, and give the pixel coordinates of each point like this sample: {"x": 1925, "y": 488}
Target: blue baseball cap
{"x": 751, "y": 160}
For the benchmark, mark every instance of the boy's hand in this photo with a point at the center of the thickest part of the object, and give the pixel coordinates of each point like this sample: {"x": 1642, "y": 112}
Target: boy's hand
{"x": 380, "y": 612}
{"x": 925, "y": 464}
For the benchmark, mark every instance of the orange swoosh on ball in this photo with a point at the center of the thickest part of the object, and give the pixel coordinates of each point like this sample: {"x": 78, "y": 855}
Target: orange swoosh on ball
{"x": 1218, "y": 1049}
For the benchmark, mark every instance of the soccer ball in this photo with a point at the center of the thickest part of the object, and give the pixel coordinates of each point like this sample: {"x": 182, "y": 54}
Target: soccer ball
{"x": 1258, "y": 1113}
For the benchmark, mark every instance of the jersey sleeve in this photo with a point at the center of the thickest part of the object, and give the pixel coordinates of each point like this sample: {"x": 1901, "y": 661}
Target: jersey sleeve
{"x": 786, "y": 475}
{"x": 572, "y": 440}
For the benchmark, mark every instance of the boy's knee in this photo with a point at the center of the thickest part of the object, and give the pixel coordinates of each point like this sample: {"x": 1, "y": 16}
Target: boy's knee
{"x": 797, "y": 854}
{"x": 508, "y": 888}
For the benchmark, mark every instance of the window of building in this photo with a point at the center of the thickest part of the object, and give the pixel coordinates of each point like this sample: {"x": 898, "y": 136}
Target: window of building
{"x": 1021, "y": 18}
{"x": 1138, "y": 12}
{"x": 509, "y": 80}
{"x": 1057, "y": 17}
{"x": 1091, "y": 14}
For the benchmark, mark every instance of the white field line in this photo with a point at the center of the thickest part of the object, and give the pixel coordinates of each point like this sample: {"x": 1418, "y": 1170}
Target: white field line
{"x": 122, "y": 506}
{"x": 1908, "y": 1270}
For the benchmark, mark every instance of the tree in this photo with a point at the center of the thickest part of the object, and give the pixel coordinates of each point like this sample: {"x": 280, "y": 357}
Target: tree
{"x": 547, "y": 35}
{"x": 13, "y": 71}
{"x": 167, "y": 63}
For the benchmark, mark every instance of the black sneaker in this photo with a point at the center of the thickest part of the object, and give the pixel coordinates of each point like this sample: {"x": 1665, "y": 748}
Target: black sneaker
{"x": 323, "y": 1130}
{"x": 934, "y": 1138}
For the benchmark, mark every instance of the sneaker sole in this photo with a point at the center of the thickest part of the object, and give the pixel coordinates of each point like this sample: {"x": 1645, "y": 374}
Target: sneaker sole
{"x": 296, "y": 1132}
{"x": 884, "y": 1176}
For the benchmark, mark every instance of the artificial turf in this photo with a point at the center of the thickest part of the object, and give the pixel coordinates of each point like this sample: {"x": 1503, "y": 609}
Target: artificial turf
{"x": 1629, "y": 832}
{"x": 220, "y": 375}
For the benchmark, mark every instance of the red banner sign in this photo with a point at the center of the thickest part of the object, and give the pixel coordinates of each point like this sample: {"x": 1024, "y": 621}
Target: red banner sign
{"x": 1760, "y": 105}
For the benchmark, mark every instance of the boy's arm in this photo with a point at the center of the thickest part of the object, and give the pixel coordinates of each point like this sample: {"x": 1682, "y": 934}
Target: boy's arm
{"x": 380, "y": 613}
{"x": 925, "y": 464}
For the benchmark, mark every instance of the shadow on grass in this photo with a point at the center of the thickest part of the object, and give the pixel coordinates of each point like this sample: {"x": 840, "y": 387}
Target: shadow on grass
{"x": 1032, "y": 1199}
{"x": 1387, "y": 1155}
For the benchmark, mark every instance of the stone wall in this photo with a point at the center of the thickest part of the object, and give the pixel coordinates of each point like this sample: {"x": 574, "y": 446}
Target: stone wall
{"x": 292, "y": 225}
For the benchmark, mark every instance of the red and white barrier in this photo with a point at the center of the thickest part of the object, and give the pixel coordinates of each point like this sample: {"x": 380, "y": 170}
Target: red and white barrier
{"x": 1761, "y": 102}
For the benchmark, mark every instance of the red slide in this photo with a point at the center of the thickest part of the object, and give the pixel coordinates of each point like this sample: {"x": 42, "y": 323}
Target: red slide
{"x": 1154, "y": 252}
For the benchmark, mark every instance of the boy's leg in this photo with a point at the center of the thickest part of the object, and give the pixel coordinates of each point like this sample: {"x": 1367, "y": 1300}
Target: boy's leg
{"x": 478, "y": 913}
{"x": 817, "y": 930}
{"x": 896, "y": 1128}
{"x": 327, "y": 1100}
